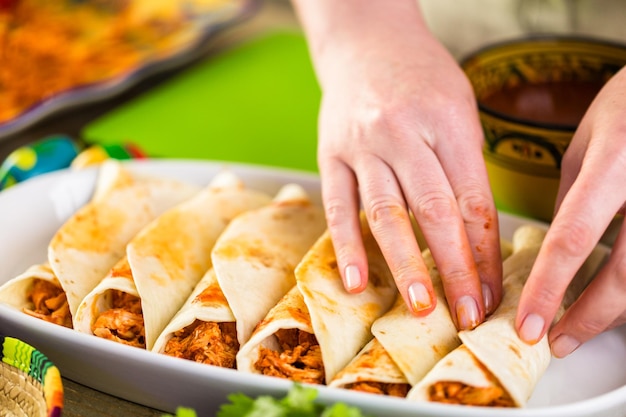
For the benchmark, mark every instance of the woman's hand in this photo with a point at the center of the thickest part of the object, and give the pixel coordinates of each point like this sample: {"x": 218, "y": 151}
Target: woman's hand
{"x": 592, "y": 191}
{"x": 399, "y": 134}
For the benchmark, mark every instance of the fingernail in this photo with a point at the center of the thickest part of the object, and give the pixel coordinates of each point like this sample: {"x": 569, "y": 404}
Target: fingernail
{"x": 467, "y": 313}
{"x": 352, "y": 277}
{"x": 487, "y": 298}
{"x": 531, "y": 328}
{"x": 419, "y": 297}
{"x": 564, "y": 345}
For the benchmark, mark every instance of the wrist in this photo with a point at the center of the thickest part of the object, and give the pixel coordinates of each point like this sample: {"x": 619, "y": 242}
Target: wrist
{"x": 342, "y": 34}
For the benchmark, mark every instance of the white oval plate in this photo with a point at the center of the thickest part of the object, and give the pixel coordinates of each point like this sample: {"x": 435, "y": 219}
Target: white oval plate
{"x": 590, "y": 381}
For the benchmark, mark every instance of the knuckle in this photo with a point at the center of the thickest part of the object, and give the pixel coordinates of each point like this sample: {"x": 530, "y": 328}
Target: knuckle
{"x": 336, "y": 212}
{"x": 405, "y": 273}
{"x": 384, "y": 211}
{"x": 434, "y": 207}
{"x": 547, "y": 296}
{"x": 459, "y": 109}
{"x": 456, "y": 277}
{"x": 572, "y": 238}
{"x": 369, "y": 121}
{"x": 475, "y": 207}
{"x": 391, "y": 119}
{"x": 345, "y": 253}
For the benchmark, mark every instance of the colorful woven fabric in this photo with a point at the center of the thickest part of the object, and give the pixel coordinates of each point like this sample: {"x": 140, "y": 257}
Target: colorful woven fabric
{"x": 29, "y": 383}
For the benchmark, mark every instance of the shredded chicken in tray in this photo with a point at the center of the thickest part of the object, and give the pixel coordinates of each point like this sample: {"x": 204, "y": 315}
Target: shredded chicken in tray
{"x": 300, "y": 358}
{"x": 451, "y": 392}
{"x": 50, "y": 303}
{"x": 123, "y": 322}
{"x": 50, "y": 47}
{"x": 394, "y": 390}
{"x": 206, "y": 342}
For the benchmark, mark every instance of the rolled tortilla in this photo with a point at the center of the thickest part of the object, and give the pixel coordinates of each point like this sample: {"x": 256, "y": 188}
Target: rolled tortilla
{"x": 283, "y": 344}
{"x": 204, "y": 329}
{"x": 255, "y": 257}
{"x": 319, "y": 327}
{"x": 167, "y": 258}
{"x": 373, "y": 371}
{"x": 37, "y": 292}
{"x": 507, "y": 379}
{"x": 113, "y": 309}
{"x": 416, "y": 344}
{"x": 338, "y": 317}
{"x": 404, "y": 347}
{"x": 493, "y": 366}
{"x": 93, "y": 239}
{"x": 89, "y": 244}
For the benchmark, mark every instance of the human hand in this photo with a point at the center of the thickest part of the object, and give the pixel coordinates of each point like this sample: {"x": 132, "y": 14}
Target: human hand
{"x": 591, "y": 193}
{"x": 399, "y": 133}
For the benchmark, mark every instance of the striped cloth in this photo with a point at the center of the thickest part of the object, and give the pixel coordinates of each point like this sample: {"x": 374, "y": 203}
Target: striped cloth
{"x": 30, "y": 384}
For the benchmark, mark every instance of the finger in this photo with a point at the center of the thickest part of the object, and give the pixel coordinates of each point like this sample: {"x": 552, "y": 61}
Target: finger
{"x": 436, "y": 211}
{"x": 391, "y": 226}
{"x": 572, "y": 162}
{"x": 470, "y": 184}
{"x": 599, "y": 307}
{"x": 341, "y": 206}
{"x": 573, "y": 234}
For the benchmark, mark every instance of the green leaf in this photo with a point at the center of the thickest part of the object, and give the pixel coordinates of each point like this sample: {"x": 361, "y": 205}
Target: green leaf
{"x": 299, "y": 402}
{"x": 342, "y": 410}
{"x": 302, "y": 399}
{"x": 240, "y": 405}
{"x": 183, "y": 412}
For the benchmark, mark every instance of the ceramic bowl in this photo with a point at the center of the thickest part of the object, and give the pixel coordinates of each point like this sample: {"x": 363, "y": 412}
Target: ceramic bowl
{"x": 30, "y": 384}
{"x": 531, "y": 96}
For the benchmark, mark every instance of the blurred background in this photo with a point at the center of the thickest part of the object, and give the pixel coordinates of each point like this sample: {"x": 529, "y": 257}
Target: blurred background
{"x": 241, "y": 87}
{"x": 211, "y": 79}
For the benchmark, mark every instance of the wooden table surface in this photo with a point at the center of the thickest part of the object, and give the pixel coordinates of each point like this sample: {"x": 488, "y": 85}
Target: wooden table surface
{"x": 79, "y": 400}
{"x": 82, "y": 401}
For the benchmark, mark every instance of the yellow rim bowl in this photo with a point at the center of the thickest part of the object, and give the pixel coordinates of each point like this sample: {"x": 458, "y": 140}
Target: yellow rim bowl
{"x": 522, "y": 193}
{"x": 523, "y": 156}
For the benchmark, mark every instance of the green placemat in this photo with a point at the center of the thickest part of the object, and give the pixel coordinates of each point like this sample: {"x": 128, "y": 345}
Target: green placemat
{"x": 255, "y": 103}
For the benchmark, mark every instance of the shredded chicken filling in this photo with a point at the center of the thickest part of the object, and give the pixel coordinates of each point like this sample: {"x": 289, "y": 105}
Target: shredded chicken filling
{"x": 299, "y": 358}
{"x": 451, "y": 392}
{"x": 49, "y": 303}
{"x": 381, "y": 388}
{"x": 48, "y": 47}
{"x": 123, "y": 322}
{"x": 206, "y": 342}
